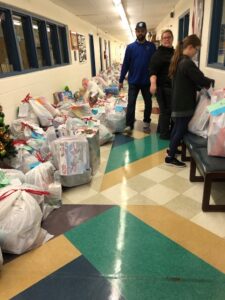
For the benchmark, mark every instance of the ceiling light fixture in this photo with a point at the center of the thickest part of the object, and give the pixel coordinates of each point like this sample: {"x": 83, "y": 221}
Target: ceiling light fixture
{"x": 121, "y": 11}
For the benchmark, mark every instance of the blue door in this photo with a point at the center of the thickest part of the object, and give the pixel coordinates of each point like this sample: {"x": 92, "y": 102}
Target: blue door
{"x": 92, "y": 54}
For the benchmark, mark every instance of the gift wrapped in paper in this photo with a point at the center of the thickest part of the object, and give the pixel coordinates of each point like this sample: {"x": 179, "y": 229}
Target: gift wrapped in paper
{"x": 71, "y": 155}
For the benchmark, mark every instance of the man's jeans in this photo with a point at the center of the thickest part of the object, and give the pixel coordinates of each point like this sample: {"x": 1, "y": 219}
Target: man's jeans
{"x": 132, "y": 97}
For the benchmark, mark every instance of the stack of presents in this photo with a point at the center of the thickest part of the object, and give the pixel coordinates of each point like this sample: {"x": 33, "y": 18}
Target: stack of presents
{"x": 55, "y": 146}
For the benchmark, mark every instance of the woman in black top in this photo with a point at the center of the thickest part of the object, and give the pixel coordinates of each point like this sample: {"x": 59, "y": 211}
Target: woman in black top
{"x": 186, "y": 80}
{"x": 161, "y": 83}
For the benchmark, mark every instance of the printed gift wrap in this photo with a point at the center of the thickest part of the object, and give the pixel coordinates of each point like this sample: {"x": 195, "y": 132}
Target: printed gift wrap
{"x": 71, "y": 154}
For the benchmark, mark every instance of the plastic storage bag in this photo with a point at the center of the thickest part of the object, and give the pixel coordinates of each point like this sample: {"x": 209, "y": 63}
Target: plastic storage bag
{"x": 216, "y": 136}
{"x": 200, "y": 120}
{"x": 20, "y": 221}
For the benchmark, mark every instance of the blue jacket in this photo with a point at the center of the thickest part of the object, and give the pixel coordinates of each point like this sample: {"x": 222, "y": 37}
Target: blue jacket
{"x": 136, "y": 62}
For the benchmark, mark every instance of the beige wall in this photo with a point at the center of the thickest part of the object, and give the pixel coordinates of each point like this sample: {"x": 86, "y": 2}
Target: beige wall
{"x": 182, "y": 7}
{"x": 13, "y": 89}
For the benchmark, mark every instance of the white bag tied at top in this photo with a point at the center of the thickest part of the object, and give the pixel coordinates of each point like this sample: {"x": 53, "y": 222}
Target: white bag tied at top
{"x": 200, "y": 120}
{"x": 20, "y": 221}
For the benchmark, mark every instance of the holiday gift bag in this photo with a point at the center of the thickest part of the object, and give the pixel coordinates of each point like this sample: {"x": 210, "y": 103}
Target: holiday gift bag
{"x": 20, "y": 221}
{"x": 216, "y": 136}
{"x": 200, "y": 120}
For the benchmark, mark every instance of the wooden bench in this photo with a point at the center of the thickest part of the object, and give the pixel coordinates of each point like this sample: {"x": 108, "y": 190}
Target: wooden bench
{"x": 211, "y": 168}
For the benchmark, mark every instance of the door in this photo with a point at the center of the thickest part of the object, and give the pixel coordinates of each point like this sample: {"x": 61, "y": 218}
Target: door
{"x": 92, "y": 54}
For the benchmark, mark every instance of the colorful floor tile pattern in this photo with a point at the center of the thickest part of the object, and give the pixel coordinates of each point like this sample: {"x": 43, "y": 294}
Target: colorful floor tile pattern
{"x": 135, "y": 232}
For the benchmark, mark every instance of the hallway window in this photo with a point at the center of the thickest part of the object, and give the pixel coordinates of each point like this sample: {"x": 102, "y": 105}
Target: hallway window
{"x": 30, "y": 43}
{"x": 38, "y": 43}
{"x": 5, "y": 65}
{"x": 52, "y": 42}
{"x": 217, "y": 41}
{"x": 183, "y": 26}
{"x": 18, "y": 23}
{"x": 63, "y": 44}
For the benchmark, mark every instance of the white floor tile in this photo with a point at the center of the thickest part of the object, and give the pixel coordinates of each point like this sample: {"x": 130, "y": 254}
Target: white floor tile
{"x": 160, "y": 194}
{"x": 214, "y": 222}
{"x": 157, "y": 174}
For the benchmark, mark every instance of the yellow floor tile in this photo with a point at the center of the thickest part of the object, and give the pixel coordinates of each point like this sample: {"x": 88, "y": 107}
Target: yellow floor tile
{"x": 33, "y": 266}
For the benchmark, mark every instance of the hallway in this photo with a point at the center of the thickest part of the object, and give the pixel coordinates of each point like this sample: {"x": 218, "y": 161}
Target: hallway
{"x": 136, "y": 232}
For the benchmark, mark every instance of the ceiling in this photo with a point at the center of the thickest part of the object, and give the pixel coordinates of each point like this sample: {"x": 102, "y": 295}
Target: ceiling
{"x": 103, "y": 14}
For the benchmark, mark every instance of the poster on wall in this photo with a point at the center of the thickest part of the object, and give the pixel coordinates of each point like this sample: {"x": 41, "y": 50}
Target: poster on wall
{"x": 82, "y": 48}
{"x": 73, "y": 40}
{"x": 197, "y": 22}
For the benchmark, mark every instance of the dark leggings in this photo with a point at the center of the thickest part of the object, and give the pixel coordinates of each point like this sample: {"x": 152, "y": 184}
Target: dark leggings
{"x": 179, "y": 129}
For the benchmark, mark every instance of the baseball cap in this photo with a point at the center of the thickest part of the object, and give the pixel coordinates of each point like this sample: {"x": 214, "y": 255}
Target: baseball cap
{"x": 141, "y": 25}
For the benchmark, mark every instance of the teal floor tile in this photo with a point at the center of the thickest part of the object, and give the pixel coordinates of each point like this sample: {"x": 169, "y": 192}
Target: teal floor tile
{"x": 138, "y": 148}
{"x": 143, "y": 263}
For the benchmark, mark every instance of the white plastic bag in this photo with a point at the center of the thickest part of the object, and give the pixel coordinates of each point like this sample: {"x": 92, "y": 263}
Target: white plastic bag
{"x": 105, "y": 136}
{"x": 41, "y": 176}
{"x": 20, "y": 221}
{"x": 216, "y": 136}
{"x": 1, "y": 258}
{"x": 116, "y": 121}
{"x": 44, "y": 116}
{"x": 200, "y": 120}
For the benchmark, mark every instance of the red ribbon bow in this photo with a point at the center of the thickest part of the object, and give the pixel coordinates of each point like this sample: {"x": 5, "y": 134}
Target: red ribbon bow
{"x": 27, "y": 98}
{"x": 35, "y": 192}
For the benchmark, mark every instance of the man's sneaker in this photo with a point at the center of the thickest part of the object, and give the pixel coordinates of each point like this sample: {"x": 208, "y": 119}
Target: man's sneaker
{"x": 178, "y": 152}
{"x": 146, "y": 128}
{"x": 128, "y": 130}
{"x": 172, "y": 161}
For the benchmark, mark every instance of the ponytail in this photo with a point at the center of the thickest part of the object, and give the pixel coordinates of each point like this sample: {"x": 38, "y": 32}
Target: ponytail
{"x": 174, "y": 61}
{"x": 192, "y": 40}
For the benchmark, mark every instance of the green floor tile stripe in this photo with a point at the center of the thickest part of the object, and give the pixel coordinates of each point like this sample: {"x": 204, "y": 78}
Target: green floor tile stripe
{"x": 143, "y": 263}
{"x": 139, "y": 148}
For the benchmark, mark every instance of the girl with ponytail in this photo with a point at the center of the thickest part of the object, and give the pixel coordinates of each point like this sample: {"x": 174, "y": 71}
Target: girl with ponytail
{"x": 186, "y": 80}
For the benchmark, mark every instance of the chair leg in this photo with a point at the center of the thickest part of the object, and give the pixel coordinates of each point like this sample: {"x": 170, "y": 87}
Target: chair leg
{"x": 184, "y": 153}
{"x": 206, "y": 193}
{"x": 193, "y": 177}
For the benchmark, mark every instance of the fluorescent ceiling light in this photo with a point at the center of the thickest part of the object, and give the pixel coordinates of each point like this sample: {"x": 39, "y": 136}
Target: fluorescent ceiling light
{"x": 123, "y": 17}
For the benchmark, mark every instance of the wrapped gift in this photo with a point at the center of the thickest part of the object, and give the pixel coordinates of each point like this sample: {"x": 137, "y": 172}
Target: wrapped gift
{"x": 216, "y": 136}
{"x": 71, "y": 155}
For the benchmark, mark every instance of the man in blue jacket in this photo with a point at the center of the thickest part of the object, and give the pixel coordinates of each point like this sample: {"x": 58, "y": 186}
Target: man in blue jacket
{"x": 136, "y": 61}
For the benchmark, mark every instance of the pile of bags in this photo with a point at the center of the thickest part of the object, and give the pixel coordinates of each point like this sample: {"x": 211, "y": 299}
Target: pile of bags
{"x": 57, "y": 145}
